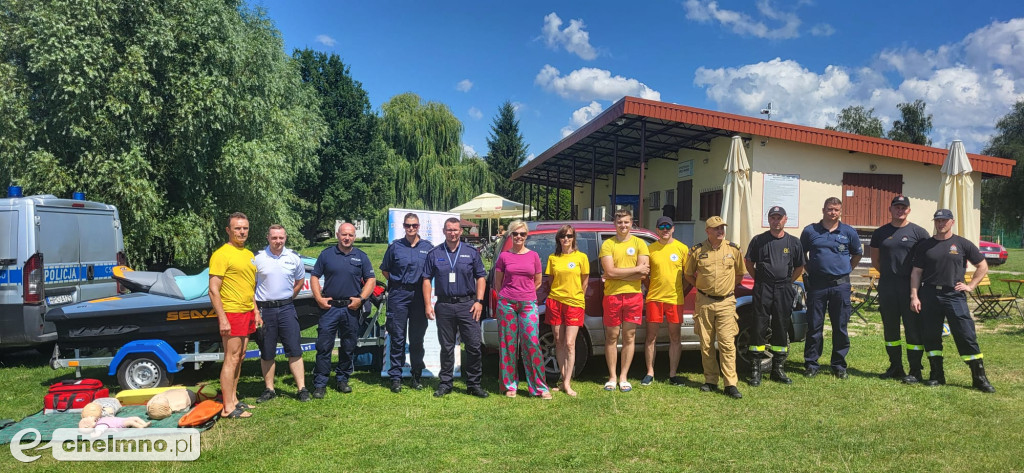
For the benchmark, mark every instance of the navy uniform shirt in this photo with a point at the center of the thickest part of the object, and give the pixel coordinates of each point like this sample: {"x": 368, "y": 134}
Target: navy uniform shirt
{"x": 944, "y": 262}
{"x": 404, "y": 262}
{"x": 894, "y": 245}
{"x": 468, "y": 267}
{"x": 345, "y": 274}
{"x": 775, "y": 258}
{"x": 828, "y": 253}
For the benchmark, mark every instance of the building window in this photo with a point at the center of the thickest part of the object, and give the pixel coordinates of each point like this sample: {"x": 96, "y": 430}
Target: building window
{"x": 654, "y": 201}
{"x": 710, "y": 203}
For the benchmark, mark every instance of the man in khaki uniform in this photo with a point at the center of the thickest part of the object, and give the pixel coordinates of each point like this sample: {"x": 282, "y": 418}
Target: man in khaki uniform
{"x": 715, "y": 267}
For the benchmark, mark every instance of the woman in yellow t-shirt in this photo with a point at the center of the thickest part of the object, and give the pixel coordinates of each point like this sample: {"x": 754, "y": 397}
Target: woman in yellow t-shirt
{"x": 569, "y": 272}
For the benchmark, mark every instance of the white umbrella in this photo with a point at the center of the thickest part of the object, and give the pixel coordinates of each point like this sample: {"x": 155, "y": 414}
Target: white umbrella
{"x": 492, "y": 206}
{"x": 737, "y": 210}
{"x": 958, "y": 192}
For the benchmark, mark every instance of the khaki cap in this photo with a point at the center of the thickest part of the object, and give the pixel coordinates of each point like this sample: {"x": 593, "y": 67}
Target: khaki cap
{"x": 714, "y": 222}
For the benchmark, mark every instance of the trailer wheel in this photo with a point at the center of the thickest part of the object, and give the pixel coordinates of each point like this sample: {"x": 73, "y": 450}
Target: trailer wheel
{"x": 142, "y": 372}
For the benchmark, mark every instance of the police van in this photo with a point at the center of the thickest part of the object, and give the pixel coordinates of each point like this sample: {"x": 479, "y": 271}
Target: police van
{"x": 53, "y": 252}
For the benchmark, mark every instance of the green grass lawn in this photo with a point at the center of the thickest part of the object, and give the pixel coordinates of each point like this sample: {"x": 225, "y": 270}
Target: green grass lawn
{"x": 821, "y": 424}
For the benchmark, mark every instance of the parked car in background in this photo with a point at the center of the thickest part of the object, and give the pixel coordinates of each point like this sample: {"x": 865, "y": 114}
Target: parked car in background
{"x": 994, "y": 253}
{"x": 590, "y": 340}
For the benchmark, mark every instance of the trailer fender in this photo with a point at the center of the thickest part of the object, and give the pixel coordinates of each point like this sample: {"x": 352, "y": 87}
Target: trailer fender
{"x": 158, "y": 348}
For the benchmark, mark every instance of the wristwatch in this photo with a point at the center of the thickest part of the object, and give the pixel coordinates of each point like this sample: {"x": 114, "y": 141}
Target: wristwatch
{"x": 479, "y": 301}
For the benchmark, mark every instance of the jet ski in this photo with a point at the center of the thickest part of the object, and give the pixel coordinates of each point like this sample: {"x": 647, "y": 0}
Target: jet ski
{"x": 168, "y": 305}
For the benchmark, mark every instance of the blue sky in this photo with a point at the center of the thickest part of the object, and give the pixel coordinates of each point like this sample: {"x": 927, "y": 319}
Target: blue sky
{"x": 561, "y": 63}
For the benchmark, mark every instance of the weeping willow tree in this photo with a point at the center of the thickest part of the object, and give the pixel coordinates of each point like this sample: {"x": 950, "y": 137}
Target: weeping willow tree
{"x": 426, "y": 166}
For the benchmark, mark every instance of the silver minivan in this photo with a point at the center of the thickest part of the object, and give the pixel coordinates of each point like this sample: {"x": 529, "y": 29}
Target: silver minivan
{"x": 53, "y": 252}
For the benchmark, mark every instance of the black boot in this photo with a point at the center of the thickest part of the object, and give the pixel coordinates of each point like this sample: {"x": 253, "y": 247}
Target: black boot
{"x": 895, "y": 370}
{"x": 779, "y": 368}
{"x": 914, "y": 360}
{"x": 937, "y": 376}
{"x": 755, "y": 369}
{"x": 978, "y": 377}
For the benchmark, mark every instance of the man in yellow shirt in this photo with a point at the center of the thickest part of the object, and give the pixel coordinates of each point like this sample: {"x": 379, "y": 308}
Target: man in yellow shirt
{"x": 665, "y": 298}
{"x": 232, "y": 293}
{"x": 715, "y": 267}
{"x": 625, "y": 260}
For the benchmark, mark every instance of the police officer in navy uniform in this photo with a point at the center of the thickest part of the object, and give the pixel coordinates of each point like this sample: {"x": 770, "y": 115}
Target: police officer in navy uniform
{"x": 459, "y": 274}
{"x": 833, "y": 250}
{"x": 938, "y": 293}
{"x": 775, "y": 259}
{"x": 350, "y": 281}
{"x": 890, "y": 256}
{"x": 402, "y": 266}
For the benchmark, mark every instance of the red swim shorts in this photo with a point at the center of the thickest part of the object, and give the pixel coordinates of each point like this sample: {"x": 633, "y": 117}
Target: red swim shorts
{"x": 623, "y": 308}
{"x": 243, "y": 324}
{"x": 658, "y": 312}
{"x": 558, "y": 313}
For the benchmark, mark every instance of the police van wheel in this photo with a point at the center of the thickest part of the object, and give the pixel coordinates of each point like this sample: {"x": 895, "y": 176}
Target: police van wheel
{"x": 550, "y": 359}
{"x": 142, "y": 372}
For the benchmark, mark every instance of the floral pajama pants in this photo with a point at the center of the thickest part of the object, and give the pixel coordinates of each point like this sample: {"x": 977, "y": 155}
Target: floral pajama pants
{"x": 518, "y": 326}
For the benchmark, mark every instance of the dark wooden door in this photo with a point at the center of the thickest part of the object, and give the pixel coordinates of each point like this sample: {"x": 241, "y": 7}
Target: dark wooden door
{"x": 866, "y": 197}
{"x": 684, "y": 201}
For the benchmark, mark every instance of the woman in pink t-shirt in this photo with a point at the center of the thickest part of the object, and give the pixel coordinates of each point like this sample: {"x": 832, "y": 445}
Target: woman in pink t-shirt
{"x": 517, "y": 275}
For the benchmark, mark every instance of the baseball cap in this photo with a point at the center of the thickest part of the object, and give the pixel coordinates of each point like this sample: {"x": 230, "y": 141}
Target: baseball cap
{"x": 663, "y": 220}
{"x": 901, "y": 200}
{"x": 943, "y": 213}
{"x": 714, "y": 222}
{"x": 776, "y": 211}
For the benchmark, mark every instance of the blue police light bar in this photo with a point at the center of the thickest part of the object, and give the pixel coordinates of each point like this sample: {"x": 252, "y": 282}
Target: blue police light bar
{"x": 78, "y": 196}
{"x": 13, "y": 191}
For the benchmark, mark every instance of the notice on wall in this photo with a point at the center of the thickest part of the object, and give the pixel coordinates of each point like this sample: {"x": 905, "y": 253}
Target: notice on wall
{"x": 782, "y": 190}
{"x": 685, "y": 169}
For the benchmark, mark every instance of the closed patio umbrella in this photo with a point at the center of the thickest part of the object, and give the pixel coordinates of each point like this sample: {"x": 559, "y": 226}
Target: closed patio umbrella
{"x": 958, "y": 192}
{"x": 737, "y": 210}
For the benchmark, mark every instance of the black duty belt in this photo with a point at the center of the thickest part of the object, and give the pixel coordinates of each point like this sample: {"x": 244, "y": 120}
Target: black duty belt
{"x": 341, "y": 302}
{"x": 828, "y": 281}
{"x": 273, "y": 304}
{"x": 940, "y": 288}
{"x": 402, "y": 285}
{"x": 716, "y": 298}
{"x": 456, "y": 299}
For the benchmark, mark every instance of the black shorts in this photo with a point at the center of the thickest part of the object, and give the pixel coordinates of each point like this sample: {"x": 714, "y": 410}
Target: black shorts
{"x": 280, "y": 324}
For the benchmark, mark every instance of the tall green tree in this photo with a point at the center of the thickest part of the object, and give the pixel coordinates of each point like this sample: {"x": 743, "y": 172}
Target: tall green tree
{"x": 178, "y": 113}
{"x": 859, "y": 120}
{"x": 914, "y": 126}
{"x": 1000, "y": 197}
{"x": 426, "y": 166}
{"x": 341, "y": 185}
{"x": 506, "y": 152}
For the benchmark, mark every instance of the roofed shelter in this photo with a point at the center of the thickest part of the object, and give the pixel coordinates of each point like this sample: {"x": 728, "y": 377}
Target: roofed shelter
{"x": 666, "y": 159}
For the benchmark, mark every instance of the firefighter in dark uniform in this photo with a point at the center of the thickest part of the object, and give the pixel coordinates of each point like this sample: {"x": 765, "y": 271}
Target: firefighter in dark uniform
{"x": 459, "y": 276}
{"x": 938, "y": 293}
{"x": 402, "y": 266}
{"x": 775, "y": 259}
{"x": 715, "y": 267}
{"x": 890, "y": 256}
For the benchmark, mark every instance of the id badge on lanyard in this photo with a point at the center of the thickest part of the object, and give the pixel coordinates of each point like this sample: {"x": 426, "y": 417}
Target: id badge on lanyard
{"x": 451, "y": 263}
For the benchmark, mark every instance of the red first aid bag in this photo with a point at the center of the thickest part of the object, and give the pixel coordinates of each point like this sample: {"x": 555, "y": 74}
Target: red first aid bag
{"x": 71, "y": 395}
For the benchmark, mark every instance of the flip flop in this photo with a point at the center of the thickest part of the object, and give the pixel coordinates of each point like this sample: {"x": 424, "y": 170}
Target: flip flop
{"x": 243, "y": 405}
{"x": 625, "y": 386}
{"x": 237, "y": 414}
{"x": 609, "y": 386}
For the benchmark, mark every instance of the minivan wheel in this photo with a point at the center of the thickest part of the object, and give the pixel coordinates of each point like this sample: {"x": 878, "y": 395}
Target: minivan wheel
{"x": 142, "y": 372}
{"x": 550, "y": 359}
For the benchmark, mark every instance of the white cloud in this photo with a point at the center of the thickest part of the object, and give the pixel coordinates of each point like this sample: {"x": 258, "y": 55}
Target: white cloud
{"x": 967, "y": 86}
{"x": 468, "y": 151}
{"x": 464, "y": 85}
{"x": 581, "y": 116}
{"x": 573, "y": 37}
{"x": 741, "y": 23}
{"x": 823, "y": 29}
{"x": 530, "y": 157}
{"x": 326, "y": 40}
{"x": 592, "y": 84}
{"x": 475, "y": 113}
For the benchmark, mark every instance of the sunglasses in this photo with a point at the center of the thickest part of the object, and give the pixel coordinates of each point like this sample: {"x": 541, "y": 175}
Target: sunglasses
{"x": 664, "y": 227}
{"x": 411, "y": 225}
{"x": 568, "y": 236}
{"x": 519, "y": 234}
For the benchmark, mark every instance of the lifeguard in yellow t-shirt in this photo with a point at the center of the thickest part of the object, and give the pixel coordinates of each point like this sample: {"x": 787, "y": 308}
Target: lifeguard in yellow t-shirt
{"x": 625, "y": 260}
{"x": 568, "y": 270}
{"x": 665, "y": 295}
